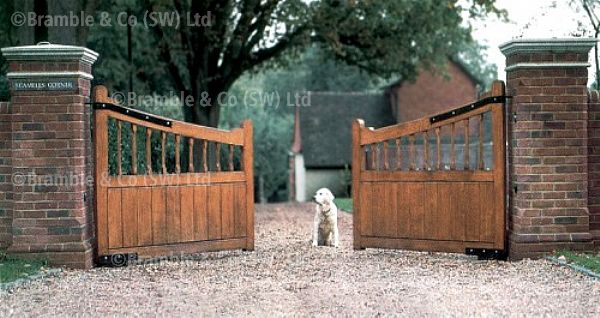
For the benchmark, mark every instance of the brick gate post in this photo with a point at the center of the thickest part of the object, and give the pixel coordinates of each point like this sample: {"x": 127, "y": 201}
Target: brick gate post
{"x": 51, "y": 153}
{"x": 547, "y": 136}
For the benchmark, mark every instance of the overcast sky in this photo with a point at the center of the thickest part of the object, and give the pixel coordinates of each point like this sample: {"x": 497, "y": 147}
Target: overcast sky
{"x": 529, "y": 19}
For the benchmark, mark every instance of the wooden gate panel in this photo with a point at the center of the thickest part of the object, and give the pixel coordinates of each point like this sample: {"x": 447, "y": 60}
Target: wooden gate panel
{"x": 149, "y": 202}
{"x": 428, "y": 185}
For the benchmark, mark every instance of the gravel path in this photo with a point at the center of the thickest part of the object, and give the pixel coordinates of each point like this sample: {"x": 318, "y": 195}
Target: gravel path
{"x": 287, "y": 277}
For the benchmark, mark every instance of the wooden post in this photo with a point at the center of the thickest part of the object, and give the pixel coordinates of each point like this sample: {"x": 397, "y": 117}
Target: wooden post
{"x": 356, "y": 170}
{"x": 248, "y": 153}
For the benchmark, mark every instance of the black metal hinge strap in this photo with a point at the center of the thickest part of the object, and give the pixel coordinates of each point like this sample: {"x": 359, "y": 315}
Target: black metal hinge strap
{"x": 467, "y": 108}
{"x": 134, "y": 113}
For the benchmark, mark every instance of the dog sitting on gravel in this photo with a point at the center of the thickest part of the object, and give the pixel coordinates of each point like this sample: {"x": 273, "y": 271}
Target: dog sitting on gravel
{"x": 325, "y": 230}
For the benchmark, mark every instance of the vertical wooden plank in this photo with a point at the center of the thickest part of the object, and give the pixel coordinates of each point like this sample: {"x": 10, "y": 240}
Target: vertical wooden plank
{"x": 417, "y": 209}
{"x": 386, "y": 165}
{"x": 390, "y": 205}
{"x": 115, "y": 225}
{"x": 200, "y": 213}
{"x": 357, "y": 166}
{"x": 205, "y": 155}
{"x": 411, "y": 156}
{"x": 163, "y": 143}
{"x": 438, "y": 148}
{"x": 498, "y": 139}
{"x": 375, "y": 156}
{"x": 459, "y": 208}
{"x": 119, "y": 146}
{"x": 486, "y": 201}
{"x": 366, "y": 208}
{"x": 217, "y": 156}
{"x": 239, "y": 207}
{"x": 398, "y": 154}
{"x": 177, "y": 155}
{"x": 452, "y": 148}
{"x": 231, "y": 149}
{"x": 378, "y": 209}
{"x": 248, "y": 153}
{"x": 480, "y": 150}
{"x": 403, "y": 210}
{"x": 187, "y": 213}
{"x": 144, "y": 216}
{"x": 101, "y": 174}
{"x": 431, "y": 212}
{"x": 134, "y": 162}
{"x": 214, "y": 212}
{"x": 472, "y": 211}
{"x": 426, "y": 150}
{"x": 467, "y": 150}
{"x": 191, "y": 155}
{"x": 173, "y": 215}
{"x": 148, "y": 151}
{"x": 129, "y": 216}
{"x": 159, "y": 215}
{"x": 227, "y": 218}
{"x": 446, "y": 212}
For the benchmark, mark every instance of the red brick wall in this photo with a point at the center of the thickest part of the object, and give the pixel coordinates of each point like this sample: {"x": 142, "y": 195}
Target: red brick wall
{"x": 52, "y": 140}
{"x": 594, "y": 162}
{"x": 432, "y": 93}
{"x": 5, "y": 176}
{"x": 548, "y": 155}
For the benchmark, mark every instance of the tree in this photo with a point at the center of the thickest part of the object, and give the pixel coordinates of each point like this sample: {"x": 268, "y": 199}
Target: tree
{"x": 381, "y": 37}
{"x": 590, "y": 6}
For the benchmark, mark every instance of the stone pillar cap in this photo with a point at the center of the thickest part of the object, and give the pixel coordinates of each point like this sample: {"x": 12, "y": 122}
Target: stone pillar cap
{"x": 575, "y": 45}
{"x": 45, "y": 51}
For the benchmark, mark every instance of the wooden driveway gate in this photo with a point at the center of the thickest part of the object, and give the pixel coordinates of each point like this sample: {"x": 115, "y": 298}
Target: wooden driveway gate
{"x": 415, "y": 186}
{"x": 149, "y": 204}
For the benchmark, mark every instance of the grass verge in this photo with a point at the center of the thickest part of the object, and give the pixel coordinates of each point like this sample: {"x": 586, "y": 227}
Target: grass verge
{"x": 12, "y": 269}
{"x": 344, "y": 204}
{"x": 586, "y": 260}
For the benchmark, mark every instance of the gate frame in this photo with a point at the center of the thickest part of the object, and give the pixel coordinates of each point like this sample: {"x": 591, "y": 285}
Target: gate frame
{"x": 359, "y": 133}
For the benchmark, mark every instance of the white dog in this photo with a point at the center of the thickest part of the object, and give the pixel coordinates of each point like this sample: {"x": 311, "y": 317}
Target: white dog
{"x": 325, "y": 231}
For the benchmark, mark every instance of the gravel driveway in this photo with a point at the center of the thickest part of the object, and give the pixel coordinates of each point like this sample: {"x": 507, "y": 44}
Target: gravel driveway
{"x": 284, "y": 276}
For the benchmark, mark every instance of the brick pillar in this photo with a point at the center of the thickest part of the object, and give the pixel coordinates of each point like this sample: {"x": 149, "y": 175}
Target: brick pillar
{"x": 51, "y": 152}
{"x": 5, "y": 176}
{"x": 548, "y": 141}
{"x": 594, "y": 164}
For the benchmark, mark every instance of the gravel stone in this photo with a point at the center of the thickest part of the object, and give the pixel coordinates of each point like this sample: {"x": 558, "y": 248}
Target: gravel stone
{"x": 285, "y": 276}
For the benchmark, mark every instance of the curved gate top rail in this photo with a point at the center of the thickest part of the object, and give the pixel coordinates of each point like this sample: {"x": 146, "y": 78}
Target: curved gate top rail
{"x": 164, "y": 186}
{"x": 435, "y": 183}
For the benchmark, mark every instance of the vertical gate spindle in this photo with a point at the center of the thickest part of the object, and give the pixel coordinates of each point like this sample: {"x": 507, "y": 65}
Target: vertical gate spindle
{"x": 452, "y": 148}
{"x": 163, "y": 143}
{"x": 398, "y": 154}
{"x": 385, "y": 156}
{"x": 177, "y": 158}
{"x": 134, "y": 163}
{"x": 119, "y": 155}
{"x": 148, "y": 151}
{"x": 438, "y": 148}
{"x": 218, "y": 156}
{"x": 481, "y": 162}
{"x": 204, "y": 155}
{"x": 231, "y": 148}
{"x": 467, "y": 150}
{"x": 191, "y": 155}
{"x": 411, "y": 155}
{"x": 426, "y": 150}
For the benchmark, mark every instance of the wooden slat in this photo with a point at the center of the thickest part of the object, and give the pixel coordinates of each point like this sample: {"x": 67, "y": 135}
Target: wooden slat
{"x": 452, "y": 147}
{"x": 187, "y": 213}
{"x": 231, "y": 149}
{"x": 366, "y": 199}
{"x": 129, "y": 213}
{"x": 177, "y": 155}
{"x": 480, "y": 150}
{"x": 134, "y": 162}
{"x": 377, "y": 210}
{"x": 391, "y": 207}
{"x": 235, "y": 136}
{"x": 487, "y": 226}
{"x": 426, "y": 150}
{"x": 163, "y": 151}
{"x": 144, "y": 215}
{"x": 149, "y": 151}
{"x": 472, "y": 210}
{"x": 411, "y": 156}
{"x": 386, "y": 165}
{"x": 214, "y": 213}
{"x": 403, "y": 210}
{"x": 119, "y": 151}
{"x": 115, "y": 227}
{"x": 191, "y": 155}
{"x": 159, "y": 215}
{"x": 358, "y": 156}
{"x": 446, "y": 212}
{"x": 467, "y": 150}
{"x": 227, "y": 213}
{"x": 217, "y": 156}
{"x": 239, "y": 207}
{"x": 432, "y": 210}
{"x": 173, "y": 179}
{"x": 417, "y": 209}
{"x": 498, "y": 139}
{"x": 182, "y": 248}
{"x": 459, "y": 203}
{"x": 398, "y": 154}
{"x": 173, "y": 215}
{"x": 205, "y": 155}
{"x": 438, "y": 147}
{"x": 200, "y": 213}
